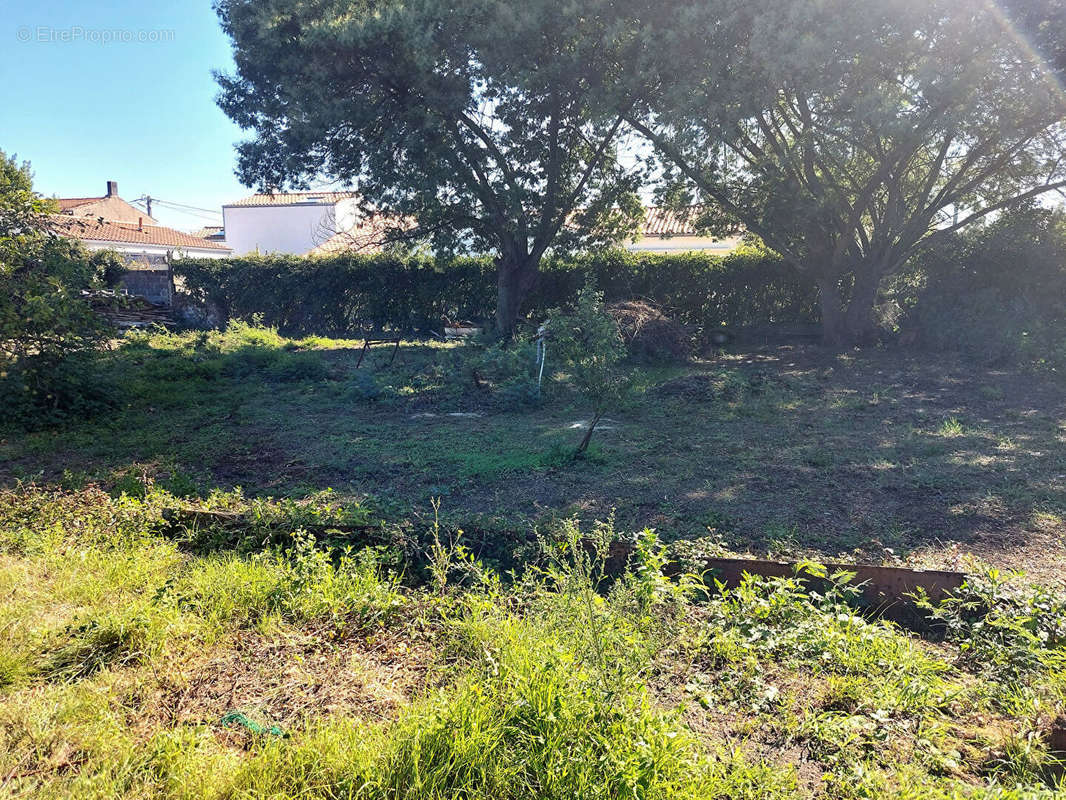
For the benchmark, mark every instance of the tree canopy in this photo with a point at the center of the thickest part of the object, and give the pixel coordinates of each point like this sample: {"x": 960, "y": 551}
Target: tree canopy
{"x": 487, "y": 126}
{"x": 1042, "y": 23}
{"x": 846, "y": 134}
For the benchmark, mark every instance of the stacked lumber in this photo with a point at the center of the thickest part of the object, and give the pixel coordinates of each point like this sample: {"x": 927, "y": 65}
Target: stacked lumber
{"x": 126, "y": 311}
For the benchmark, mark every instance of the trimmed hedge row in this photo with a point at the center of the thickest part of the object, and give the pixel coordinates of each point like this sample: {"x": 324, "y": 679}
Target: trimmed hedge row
{"x": 346, "y": 294}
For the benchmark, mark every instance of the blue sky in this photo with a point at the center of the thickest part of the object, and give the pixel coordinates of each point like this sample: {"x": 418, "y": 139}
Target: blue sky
{"x": 84, "y": 111}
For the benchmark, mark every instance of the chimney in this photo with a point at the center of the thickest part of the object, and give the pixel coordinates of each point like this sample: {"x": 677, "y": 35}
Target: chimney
{"x": 112, "y": 188}
{"x": 140, "y": 223}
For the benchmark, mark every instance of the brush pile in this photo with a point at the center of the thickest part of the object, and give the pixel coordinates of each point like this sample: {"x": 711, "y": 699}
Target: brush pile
{"x": 649, "y": 334}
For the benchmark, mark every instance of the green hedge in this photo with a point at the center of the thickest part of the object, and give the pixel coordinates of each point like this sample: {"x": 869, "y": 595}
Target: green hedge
{"x": 351, "y": 293}
{"x": 995, "y": 293}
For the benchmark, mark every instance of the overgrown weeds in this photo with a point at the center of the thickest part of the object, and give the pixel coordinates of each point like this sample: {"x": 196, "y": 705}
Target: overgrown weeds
{"x": 559, "y": 680}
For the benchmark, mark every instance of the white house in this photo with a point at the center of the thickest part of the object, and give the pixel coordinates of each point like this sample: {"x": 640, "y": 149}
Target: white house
{"x": 288, "y": 222}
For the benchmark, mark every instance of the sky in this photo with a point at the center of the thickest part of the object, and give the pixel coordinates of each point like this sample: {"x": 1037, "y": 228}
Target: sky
{"x": 119, "y": 90}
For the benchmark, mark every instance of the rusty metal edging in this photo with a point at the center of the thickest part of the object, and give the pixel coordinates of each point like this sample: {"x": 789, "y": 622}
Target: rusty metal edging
{"x": 884, "y": 592}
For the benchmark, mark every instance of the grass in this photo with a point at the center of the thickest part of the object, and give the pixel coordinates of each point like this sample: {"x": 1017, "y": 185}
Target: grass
{"x": 930, "y": 458}
{"x": 125, "y": 656}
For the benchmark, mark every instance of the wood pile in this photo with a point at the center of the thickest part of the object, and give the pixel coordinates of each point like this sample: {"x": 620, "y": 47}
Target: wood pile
{"x": 126, "y": 311}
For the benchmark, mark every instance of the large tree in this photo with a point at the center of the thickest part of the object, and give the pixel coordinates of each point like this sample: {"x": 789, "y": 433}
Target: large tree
{"x": 865, "y": 129}
{"x": 483, "y": 124}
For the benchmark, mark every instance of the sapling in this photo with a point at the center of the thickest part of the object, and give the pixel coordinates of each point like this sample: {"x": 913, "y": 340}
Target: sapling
{"x": 588, "y": 341}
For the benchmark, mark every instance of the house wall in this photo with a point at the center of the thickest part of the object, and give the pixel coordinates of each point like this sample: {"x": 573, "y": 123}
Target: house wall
{"x": 154, "y": 285}
{"x": 281, "y": 229}
{"x": 153, "y": 253}
{"x": 683, "y": 244}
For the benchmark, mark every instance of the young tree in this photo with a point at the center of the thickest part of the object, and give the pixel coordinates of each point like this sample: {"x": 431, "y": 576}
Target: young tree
{"x": 482, "y": 122}
{"x": 587, "y": 340}
{"x": 865, "y": 129}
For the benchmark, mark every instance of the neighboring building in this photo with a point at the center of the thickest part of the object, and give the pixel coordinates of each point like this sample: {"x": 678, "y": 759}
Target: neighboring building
{"x": 213, "y": 233}
{"x": 293, "y": 222}
{"x": 110, "y": 223}
{"x": 140, "y": 241}
{"x": 326, "y": 223}
{"x": 669, "y": 231}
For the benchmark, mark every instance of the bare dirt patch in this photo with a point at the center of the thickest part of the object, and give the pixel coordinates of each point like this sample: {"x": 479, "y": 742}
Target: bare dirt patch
{"x": 287, "y": 679}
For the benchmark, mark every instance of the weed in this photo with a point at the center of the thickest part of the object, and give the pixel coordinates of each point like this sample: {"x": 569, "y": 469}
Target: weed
{"x": 561, "y": 681}
{"x": 951, "y": 428}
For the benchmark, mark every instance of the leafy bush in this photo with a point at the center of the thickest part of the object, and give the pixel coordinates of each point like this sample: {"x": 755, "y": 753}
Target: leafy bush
{"x": 1002, "y": 628}
{"x": 518, "y": 394}
{"x": 48, "y": 389}
{"x": 364, "y": 387}
{"x": 49, "y": 334}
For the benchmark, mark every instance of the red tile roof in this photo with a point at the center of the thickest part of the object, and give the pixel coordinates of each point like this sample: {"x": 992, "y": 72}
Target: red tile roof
{"x": 292, "y": 199}
{"x": 213, "y": 232}
{"x": 67, "y": 203}
{"x": 663, "y": 221}
{"x": 94, "y": 230}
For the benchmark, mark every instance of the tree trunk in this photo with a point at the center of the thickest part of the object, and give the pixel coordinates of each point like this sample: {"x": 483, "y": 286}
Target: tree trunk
{"x": 859, "y": 317}
{"x": 834, "y": 324}
{"x": 844, "y": 327}
{"x": 513, "y": 284}
{"x": 581, "y": 448}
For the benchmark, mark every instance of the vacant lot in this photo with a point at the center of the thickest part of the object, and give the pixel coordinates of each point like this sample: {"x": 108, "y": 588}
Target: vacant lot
{"x": 271, "y": 573}
{"x": 781, "y": 449}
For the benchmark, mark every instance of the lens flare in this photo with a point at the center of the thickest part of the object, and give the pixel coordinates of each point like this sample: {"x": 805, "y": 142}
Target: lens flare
{"x": 1045, "y": 69}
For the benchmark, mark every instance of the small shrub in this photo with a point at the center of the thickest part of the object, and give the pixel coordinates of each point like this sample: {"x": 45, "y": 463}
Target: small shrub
{"x": 518, "y": 394}
{"x": 48, "y": 389}
{"x": 500, "y": 363}
{"x": 1002, "y": 628}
